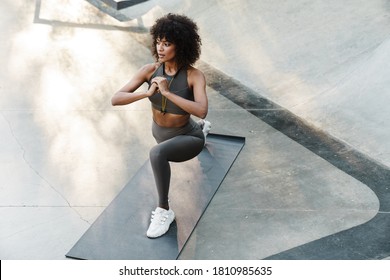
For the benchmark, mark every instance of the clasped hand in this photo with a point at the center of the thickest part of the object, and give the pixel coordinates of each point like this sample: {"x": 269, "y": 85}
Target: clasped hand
{"x": 159, "y": 84}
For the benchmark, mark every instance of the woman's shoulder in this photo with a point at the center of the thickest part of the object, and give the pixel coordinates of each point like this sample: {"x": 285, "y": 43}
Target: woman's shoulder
{"x": 194, "y": 73}
{"x": 148, "y": 69}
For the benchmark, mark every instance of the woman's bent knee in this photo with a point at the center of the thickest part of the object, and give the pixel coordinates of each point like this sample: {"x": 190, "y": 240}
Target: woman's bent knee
{"x": 155, "y": 154}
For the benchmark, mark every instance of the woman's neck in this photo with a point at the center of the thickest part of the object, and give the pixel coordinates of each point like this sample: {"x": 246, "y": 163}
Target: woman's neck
{"x": 170, "y": 68}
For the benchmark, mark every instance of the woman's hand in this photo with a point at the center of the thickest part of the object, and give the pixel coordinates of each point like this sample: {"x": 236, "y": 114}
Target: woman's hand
{"x": 162, "y": 84}
{"x": 152, "y": 90}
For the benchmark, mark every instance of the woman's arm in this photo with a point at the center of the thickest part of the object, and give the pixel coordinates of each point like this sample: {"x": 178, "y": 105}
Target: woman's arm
{"x": 127, "y": 94}
{"x": 196, "y": 80}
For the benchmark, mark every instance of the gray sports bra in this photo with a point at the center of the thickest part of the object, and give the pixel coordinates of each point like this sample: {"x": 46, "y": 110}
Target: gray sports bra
{"x": 178, "y": 86}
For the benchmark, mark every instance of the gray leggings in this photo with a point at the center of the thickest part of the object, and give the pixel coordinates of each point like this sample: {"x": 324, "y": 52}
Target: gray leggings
{"x": 175, "y": 144}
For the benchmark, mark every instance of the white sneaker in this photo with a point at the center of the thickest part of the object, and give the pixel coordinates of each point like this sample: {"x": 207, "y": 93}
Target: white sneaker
{"x": 160, "y": 221}
{"x": 206, "y": 127}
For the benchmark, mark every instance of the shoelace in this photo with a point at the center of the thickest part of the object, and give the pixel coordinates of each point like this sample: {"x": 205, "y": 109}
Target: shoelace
{"x": 162, "y": 217}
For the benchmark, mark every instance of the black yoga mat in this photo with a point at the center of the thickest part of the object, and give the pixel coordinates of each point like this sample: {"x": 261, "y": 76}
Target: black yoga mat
{"x": 119, "y": 233}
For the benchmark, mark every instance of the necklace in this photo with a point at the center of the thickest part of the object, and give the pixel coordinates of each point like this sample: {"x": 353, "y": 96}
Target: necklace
{"x": 163, "y": 98}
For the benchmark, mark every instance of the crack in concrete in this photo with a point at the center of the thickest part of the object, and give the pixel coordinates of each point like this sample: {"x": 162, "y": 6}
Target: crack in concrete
{"x": 31, "y": 227}
{"x": 36, "y": 171}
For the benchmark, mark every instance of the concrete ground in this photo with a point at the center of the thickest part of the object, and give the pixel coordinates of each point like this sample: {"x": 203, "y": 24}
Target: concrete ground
{"x": 306, "y": 83}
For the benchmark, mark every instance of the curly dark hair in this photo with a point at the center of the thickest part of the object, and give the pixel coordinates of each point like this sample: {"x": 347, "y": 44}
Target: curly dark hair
{"x": 181, "y": 31}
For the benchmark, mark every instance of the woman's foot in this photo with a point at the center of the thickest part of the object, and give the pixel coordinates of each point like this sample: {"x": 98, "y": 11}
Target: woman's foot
{"x": 206, "y": 127}
{"x": 160, "y": 221}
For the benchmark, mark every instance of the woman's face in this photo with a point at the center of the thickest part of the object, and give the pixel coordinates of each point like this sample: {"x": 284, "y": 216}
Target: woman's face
{"x": 166, "y": 50}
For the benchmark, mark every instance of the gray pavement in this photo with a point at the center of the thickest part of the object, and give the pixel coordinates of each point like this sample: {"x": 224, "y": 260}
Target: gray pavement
{"x": 66, "y": 152}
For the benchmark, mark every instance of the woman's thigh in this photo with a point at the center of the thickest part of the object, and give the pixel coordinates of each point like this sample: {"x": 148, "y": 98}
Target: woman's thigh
{"x": 180, "y": 148}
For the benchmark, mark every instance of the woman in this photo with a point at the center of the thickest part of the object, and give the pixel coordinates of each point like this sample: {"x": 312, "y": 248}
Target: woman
{"x": 176, "y": 90}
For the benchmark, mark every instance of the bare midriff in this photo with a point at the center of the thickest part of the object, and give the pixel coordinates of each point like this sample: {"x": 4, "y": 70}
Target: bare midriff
{"x": 168, "y": 119}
